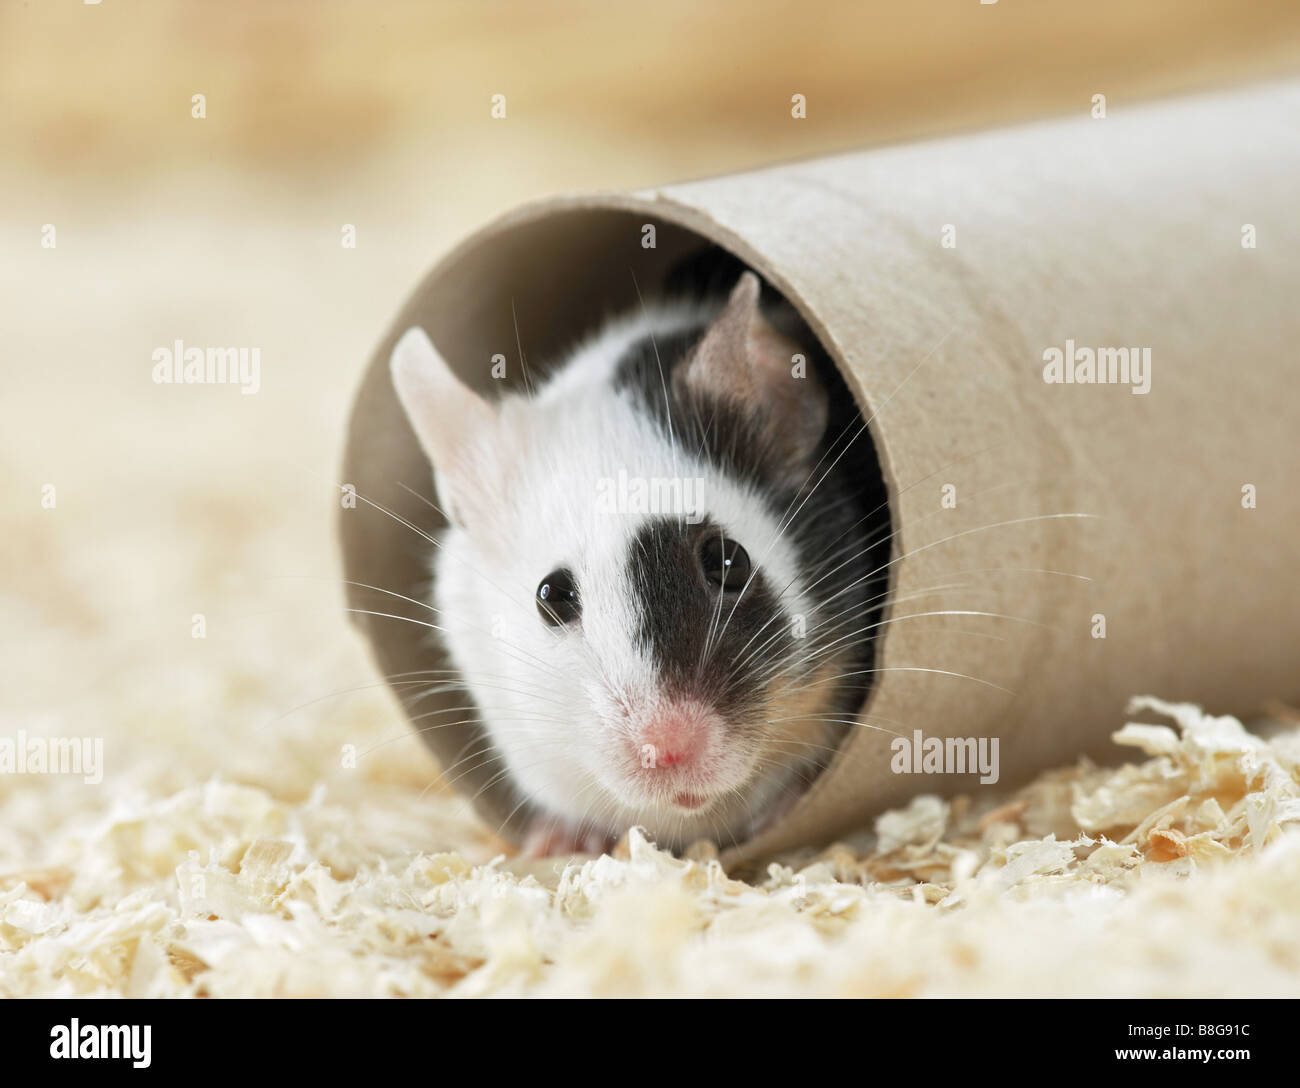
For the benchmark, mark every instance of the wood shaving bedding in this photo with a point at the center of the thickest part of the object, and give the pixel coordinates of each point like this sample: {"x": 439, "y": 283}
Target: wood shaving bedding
{"x": 1178, "y": 874}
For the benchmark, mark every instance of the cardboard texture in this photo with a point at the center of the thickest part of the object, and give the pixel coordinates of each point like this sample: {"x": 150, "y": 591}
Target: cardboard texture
{"x": 1046, "y": 513}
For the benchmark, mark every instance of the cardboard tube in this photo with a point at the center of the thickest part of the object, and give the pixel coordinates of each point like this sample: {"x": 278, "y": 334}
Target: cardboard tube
{"x": 941, "y": 277}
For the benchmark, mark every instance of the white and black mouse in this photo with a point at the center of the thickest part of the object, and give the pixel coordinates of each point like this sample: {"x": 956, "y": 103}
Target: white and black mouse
{"x": 663, "y": 565}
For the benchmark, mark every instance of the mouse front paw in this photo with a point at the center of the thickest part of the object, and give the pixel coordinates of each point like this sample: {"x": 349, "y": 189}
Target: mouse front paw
{"x": 550, "y": 836}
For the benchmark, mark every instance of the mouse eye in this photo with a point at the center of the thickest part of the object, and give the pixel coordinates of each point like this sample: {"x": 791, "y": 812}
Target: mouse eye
{"x": 725, "y": 563}
{"x": 557, "y": 598}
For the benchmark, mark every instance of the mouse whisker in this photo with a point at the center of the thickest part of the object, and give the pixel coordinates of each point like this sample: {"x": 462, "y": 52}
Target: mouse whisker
{"x": 872, "y": 540}
{"x": 477, "y": 627}
{"x": 978, "y": 529}
{"x": 829, "y": 647}
{"x": 789, "y": 517}
{"x": 857, "y": 722}
{"x": 436, "y": 627}
{"x": 439, "y": 545}
{"x": 903, "y": 668}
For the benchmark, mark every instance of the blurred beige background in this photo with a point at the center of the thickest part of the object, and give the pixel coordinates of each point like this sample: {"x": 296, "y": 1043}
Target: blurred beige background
{"x": 173, "y": 500}
{"x": 96, "y": 96}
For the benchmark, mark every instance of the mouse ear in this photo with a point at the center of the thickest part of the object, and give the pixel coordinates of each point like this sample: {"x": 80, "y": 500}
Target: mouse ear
{"x": 448, "y": 418}
{"x": 742, "y": 356}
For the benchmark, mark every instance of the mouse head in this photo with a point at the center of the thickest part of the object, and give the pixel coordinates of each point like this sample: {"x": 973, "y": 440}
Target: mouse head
{"x": 624, "y": 584}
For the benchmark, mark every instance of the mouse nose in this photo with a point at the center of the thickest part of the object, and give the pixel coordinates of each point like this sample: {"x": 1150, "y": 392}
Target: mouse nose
{"x": 675, "y": 735}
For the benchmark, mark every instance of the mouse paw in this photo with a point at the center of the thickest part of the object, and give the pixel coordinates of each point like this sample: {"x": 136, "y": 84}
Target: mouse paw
{"x": 549, "y": 836}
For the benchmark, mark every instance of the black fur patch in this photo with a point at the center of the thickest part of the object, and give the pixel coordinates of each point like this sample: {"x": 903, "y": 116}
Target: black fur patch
{"x": 692, "y": 629}
{"x": 716, "y": 429}
{"x": 837, "y": 511}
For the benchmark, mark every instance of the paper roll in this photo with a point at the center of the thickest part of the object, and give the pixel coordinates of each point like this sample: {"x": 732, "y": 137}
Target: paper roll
{"x": 945, "y": 278}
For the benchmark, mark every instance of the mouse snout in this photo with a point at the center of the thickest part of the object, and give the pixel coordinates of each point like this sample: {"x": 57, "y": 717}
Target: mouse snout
{"x": 679, "y": 756}
{"x": 675, "y": 736}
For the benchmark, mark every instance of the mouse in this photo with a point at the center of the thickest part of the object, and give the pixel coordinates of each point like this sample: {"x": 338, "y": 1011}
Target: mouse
{"x": 663, "y": 564}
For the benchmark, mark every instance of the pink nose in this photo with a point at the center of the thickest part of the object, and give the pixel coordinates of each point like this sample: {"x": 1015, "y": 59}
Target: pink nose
{"x": 675, "y": 736}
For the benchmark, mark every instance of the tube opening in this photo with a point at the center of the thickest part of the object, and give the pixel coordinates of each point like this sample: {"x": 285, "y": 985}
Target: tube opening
{"x": 523, "y": 293}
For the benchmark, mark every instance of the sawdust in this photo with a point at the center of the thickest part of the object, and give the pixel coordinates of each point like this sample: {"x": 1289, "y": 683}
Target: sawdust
{"x": 1178, "y": 874}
